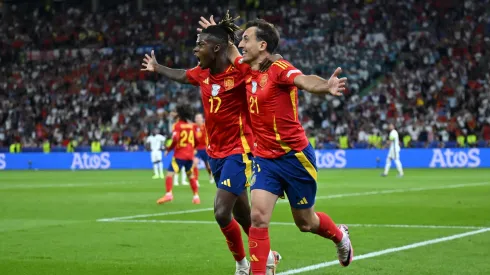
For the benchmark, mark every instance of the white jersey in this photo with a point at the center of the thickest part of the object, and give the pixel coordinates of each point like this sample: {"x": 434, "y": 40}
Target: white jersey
{"x": 156, "y": 142}
{"x": 395, "y": 141}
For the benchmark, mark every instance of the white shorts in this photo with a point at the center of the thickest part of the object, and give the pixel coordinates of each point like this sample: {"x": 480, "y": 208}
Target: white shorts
{"x": 156, "y": 156}
{"x": 394, "y": 154}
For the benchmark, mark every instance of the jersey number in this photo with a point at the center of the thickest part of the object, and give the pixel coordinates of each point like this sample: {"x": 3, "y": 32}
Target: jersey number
{"x": 186, "y": 137}
{"x": 254, "y": 106}
{"x": 214, "y": 100}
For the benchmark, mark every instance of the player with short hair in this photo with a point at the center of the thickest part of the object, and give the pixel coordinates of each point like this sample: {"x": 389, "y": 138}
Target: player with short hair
{"x": 155, "y": 143}
{"x": 228, "y": 130}
{"x": 183, "y": 144}
{"x": 394, "y": 152}
{"x": 201, "y": 148}
{"x": 284, "y": 160}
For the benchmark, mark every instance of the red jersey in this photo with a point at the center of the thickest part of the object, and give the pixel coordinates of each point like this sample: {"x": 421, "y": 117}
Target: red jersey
{"x": 225, "y": 110}
{"x": 273, "y": 104}
{"x": 183, "y": 140}
{"x": 200, "y": 137}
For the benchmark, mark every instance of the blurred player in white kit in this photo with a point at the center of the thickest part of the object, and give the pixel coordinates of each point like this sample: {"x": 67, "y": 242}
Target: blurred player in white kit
{"x": 394, "y": 152}
{"x": 155, "y": 143}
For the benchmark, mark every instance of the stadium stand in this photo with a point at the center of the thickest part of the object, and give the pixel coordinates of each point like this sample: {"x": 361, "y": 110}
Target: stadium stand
{"x": 70, "y": 76}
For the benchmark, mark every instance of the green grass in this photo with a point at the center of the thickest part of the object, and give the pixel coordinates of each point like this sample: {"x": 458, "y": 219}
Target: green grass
{"x": 48, "y": 224}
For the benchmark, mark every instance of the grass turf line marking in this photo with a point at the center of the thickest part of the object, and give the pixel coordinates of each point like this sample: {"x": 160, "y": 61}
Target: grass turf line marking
{"x": 384, "y": 252}
{"x": 156, "y": 214}
{"x": 370, "y": 193}
{"x": 405, "y": 190}
{"x": 33, "y": 186}
{"x": 421, "y": 226}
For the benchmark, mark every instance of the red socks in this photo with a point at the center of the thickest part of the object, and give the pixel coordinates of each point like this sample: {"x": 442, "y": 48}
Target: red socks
{"x": 234, "y": 240}
{"x": 196, "y": 172}
{"x": 259, "y": 247}
{"x": 194, "y": 187}
{"x": 169, "y": 184}
{"x": 328, "y": 229}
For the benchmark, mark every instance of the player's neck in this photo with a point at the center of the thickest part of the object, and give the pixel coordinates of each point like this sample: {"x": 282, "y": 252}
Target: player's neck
{"x": 220, "y": 65}
{"x": 256, "y": 63}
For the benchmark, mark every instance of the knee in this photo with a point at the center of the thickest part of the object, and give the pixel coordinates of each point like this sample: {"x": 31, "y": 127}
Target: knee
{"x": 303, "y": 225}
{"x": 222, "y": 215}
{"x": 259, "y": 218}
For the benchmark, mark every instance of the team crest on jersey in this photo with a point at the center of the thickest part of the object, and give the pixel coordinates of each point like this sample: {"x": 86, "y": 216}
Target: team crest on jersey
{"x": 240, "y": 61}
{"x": 263, "y": 80}
{"x": 215, "y": 90}
{"x": 229, "y": 83}
{"x": 254, "y": 87}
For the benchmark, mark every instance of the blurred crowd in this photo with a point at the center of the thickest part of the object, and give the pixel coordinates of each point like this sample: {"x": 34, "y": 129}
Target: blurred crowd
{"x": 70, "y": 74}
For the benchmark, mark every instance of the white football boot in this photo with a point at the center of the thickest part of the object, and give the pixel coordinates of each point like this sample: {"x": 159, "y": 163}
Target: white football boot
{"x": 345, "y": 252}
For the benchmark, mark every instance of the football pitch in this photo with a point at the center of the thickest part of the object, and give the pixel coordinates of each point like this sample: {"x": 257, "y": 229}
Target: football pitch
{"x": 107, "y": 222}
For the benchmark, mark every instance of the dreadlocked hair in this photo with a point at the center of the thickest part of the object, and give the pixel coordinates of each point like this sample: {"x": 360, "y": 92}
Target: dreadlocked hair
{"x": 228, "y": 24}
{"x": 225, "y": 29}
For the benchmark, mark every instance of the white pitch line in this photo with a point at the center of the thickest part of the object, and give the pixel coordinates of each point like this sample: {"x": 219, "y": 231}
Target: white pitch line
{"x": 291, "y": 224}
{"x": 33, "y": 186}
{"x": 405, "y": 190}
{"x": 384, "y": 252}
{"x": 156, "y": 214}
{"x": 370, "y": 193}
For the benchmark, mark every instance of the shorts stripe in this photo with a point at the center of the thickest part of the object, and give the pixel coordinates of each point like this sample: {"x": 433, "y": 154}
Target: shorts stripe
{"x": 307, "y": 164}
{"x": 248, "y": 168}
{"x": 175, "y": 166}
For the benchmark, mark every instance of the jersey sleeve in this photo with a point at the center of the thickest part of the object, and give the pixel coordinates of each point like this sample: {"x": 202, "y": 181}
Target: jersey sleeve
{"x": 193, "y": 75}
{"x": 243, "y": 68}
{"x": 175, "y": 136}
{"x": 284, "y": 73}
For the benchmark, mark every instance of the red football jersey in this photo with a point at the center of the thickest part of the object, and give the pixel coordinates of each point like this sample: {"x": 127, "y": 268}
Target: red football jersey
{"x": 200, "y": 137}
{"x": 273, "y": 105}
{"x": 183, "y": 140}
{"x": 225, "y": 110}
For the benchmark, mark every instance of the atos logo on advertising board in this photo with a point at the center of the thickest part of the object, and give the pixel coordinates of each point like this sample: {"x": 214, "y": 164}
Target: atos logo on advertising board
{"x": 3, "y": 162}
{"x": 88, "y": 161}
{"x": 455, "y": 158}
{"x": 334, "y": 159}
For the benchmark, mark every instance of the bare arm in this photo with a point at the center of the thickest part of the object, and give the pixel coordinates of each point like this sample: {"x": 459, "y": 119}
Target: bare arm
{"x": 233, "y": 53}
{"x": 150, "y": 64}
{"x": 317, "y": 85}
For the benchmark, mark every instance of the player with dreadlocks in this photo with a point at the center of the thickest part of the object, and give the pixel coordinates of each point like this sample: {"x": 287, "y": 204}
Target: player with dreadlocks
{"x": 229, "y": 135}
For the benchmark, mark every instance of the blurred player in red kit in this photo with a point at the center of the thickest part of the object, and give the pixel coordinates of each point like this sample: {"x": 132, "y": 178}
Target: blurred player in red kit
{"x": 201, "y": 148}
{"x": 183, "y": 144}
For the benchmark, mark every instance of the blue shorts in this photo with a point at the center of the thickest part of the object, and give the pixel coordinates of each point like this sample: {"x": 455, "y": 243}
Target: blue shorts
{"x": 294, "y": 173}
{"x": 202, "y": 155}
{"x": 177, "y": 164}
{"x": 232, "y": 173}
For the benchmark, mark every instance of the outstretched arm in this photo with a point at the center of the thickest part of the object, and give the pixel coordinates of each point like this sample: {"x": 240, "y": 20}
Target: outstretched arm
{"x": 150, "y": 64}
{"x": 317, "y": 85}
